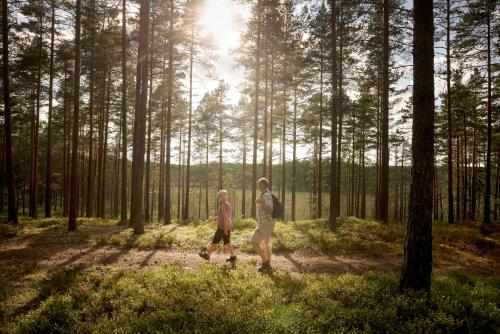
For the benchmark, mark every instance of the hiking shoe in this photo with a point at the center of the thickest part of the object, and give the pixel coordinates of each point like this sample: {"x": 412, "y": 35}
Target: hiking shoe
{"x": 265, "y": 267}
{"x": 204, "y": 255}
{"x": 232, "y": 259}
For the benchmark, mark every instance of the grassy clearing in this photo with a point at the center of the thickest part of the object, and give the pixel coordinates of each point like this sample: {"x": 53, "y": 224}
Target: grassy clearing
{"x": 219, "y": 299}
{"x": 352, "y": 236}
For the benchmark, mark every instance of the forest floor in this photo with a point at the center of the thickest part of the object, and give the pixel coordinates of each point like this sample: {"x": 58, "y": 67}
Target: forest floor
{"x": 355, "y": 247}
{"x": 43, "y": 264}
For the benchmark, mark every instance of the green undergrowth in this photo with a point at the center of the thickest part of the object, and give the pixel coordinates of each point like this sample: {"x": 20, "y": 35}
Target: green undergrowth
{"x": 216, "y": 299}
{"x": 350, "y": 236}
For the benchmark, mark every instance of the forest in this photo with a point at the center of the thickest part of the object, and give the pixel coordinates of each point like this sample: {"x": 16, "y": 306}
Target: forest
{"x": 129, "y": 126}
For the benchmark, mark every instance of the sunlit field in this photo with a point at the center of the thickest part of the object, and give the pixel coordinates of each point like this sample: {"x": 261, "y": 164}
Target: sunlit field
{"x": 59, "y": 281}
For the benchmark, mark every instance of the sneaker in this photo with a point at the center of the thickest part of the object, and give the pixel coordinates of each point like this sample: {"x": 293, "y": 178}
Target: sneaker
{"x": 232, "y": 259}
{"x": 204, "y": 255}
{"x": 265, "y": 267}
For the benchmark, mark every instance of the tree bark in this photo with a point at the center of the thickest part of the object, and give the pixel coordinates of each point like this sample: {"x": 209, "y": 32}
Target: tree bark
{"x": 73, "y": 200}
{"x": 185, "y": 211}
{"x": 136, "y": 200}
{"x": 334, "y": 119}
{"x": 294, "y": 154}
{"x": 48, "y": 175}
{"x": 168, "y": 215}
{"x": 90, "y": 174}
{"x": 147, "y": 211}
{"x": 124, "y": 160}
{"x": 9, "y": 168}
{"x": 451, "y": 217}
{"x": 35, "y": 131}
{"x": 256, "y": 111}
{"x": 487, "y": 194}
{"x": 417, "y": 265}
{"x": 320, "y": 148}
{"x": 384, "y": 173}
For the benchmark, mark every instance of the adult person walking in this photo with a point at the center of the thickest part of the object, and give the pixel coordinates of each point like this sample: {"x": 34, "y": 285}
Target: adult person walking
{"x": 265, "y": 226}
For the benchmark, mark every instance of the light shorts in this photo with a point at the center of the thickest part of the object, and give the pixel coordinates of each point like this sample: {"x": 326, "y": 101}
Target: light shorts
{"x": 264, "y": 231}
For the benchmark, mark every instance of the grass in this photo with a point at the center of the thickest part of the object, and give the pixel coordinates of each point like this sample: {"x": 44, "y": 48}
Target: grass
{"x": 213, "y": 298}
{"x": 219, "y": 299}
{"x": 351, "y": 236}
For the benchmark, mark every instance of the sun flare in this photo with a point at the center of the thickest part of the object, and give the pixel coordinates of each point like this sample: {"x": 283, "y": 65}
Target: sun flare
{"x": 224, "y": 21}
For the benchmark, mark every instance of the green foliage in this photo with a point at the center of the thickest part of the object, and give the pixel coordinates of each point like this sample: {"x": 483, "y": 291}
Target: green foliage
{"x": 7, "y": 230}
{"x": 219, "y": 299}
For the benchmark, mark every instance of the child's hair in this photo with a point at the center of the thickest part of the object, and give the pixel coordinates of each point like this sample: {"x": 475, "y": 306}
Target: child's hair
{"x": 222, "y": 192}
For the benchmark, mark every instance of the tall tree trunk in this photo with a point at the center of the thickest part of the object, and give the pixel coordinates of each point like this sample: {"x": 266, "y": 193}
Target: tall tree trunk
{"x": 363, "y": 176}
{"x": 35, "y": 130}
{"x": 256, "y": 111}
{"x": 458, "y": 178}
{"x": 417, "y": 265}
{"x": 161, "y": 181}
{"x": 124, "y": 160}
{"x": 66, "y": 147}
{"x": 179, "y": 175}
{"x": 207, "y": 138}
{"x": 220, "y": 182}
{"x": 185, "y": 211}
{"x": 334, "y": 118}
{"x": 100, "y": 148}
{"x": 102, "y": 203}
{"x": 9, "y": 168}
{"x": 487, "y": 194}
{"x": 497, "y": 190}
{"x": 294, "y": 154}
{"x": 136, "y": 200}
{"x": 244, "y": 167}
{"x": 451, "y": 217}
{"x": 377, "y": 167}
{"x": 341, "y": 109}
{"x": 48, "y": 175}
{"x": 283, "y": 131}
{"x": 73, "y": 200}
{"x": 2, "y": 165}
{"x": 90, "y": 174}
{"x": 271, "y": 126}
{"x": 147, "y": 210}
{"x": 465, "y": 185}
{"x": 168, "y": 215}
{"x": 384, "y": 175}
{"x": 320, "y": 148}
{"x": 266, "y": 81}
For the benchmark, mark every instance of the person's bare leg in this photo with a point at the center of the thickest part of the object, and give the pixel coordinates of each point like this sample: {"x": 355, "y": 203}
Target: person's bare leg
{"x": 211, "y": 249}
{"x": 259, "y": 251}
{"x": 265, "y": 251}
{"x": 230, "y": 249}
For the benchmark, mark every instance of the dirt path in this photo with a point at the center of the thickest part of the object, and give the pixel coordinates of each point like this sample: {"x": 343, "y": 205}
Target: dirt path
{"x": 19, "y": 250}
{"x": 56, "y": 255}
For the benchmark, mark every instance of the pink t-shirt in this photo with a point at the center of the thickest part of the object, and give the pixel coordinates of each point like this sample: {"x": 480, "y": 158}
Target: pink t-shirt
{"x": 220, "y": 217}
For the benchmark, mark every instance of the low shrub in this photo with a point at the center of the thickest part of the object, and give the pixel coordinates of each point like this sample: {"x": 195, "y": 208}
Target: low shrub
{"x": 216, "y": 299}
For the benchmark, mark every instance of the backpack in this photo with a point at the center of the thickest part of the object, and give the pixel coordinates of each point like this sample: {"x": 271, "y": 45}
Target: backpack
{"x": 277, "y": 207}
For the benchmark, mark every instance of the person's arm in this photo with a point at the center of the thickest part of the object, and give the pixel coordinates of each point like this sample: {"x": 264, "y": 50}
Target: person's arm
{"x": 225, "y": 218}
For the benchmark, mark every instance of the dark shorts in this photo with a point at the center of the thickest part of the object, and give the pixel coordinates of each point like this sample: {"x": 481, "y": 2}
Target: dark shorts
{"x": 219, "y": 235}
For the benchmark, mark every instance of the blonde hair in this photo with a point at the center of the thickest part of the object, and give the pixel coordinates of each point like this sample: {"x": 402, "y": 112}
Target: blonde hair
{"x": 264, "y": 181}
{"x": 222, "y": 192}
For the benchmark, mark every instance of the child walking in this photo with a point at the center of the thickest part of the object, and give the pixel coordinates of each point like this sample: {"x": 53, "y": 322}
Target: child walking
{"x": 224, "y": 227}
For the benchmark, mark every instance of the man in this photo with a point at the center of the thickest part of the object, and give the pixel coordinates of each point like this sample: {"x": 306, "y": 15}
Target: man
{"x": 265, "y": 227}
